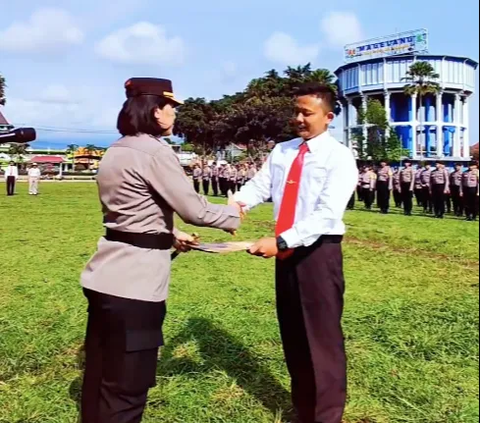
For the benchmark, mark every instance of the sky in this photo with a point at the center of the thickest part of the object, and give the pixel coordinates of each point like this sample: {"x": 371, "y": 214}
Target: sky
{"x": 66, "y": 61}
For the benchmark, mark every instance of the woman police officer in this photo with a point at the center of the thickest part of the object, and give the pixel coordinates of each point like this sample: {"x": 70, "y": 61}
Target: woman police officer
{"x": 141, "y": 185}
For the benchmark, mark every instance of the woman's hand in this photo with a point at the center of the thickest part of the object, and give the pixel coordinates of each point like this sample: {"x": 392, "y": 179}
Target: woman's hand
{"x": 184, "y": 242}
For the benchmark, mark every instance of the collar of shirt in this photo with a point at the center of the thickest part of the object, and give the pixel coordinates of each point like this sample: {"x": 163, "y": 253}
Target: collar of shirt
{"x": 314, "y": 144}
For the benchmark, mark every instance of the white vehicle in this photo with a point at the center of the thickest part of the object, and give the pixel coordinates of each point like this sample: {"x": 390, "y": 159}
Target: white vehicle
{"x": 186, "y": 158}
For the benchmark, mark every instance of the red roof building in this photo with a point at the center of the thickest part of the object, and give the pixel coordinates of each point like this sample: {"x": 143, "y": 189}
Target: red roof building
{"x": 47, "y": 160}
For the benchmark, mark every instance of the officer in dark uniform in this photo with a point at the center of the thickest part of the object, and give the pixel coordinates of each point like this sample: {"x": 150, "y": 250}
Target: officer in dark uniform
{"x": 470, "y": 191}
{"x": 439, "y": 188}
{"x": 141, "y": 185}
{"x": 456, "y": 187}
{"x": 407, "y": 186}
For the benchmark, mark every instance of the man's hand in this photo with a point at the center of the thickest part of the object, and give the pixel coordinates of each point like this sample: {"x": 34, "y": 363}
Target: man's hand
{"x": 239, "y": 206}
{"x": 266, "y": 248}
{"x": 183, "y": 242}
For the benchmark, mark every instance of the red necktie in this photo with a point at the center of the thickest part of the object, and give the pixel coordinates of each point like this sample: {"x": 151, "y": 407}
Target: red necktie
{"x": 286, "y": 218}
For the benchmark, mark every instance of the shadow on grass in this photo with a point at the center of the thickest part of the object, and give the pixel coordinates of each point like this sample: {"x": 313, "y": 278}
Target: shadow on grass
{"x": 221, "y": 351}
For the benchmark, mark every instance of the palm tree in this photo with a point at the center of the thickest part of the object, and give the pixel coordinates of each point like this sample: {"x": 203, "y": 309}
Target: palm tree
{"x": 18, "y": 151}
{"x": 2, "y": 91}
{"x": 421, "y": 80}
{"x": 71, "y": 150}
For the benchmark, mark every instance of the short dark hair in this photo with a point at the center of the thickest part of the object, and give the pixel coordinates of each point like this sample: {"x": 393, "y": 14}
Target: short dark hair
{"x": 326, "y": 92}
{"x": 138, "y": 116}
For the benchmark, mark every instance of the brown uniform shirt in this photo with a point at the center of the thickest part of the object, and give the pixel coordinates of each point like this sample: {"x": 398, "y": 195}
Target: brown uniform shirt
{"x": 407, "y": 176}
{"x": 456, "y": 178}
{"x": 385, "y": 175}
{"x": 440, "y": 177}
{"x": 425, "y": 177}
{"x": 470, "y": 179}
{"x": 141, "y": 184}
{"x": 368, "y": 180}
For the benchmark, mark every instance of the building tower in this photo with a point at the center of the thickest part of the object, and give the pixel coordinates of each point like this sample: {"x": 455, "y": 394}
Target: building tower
{"x": 437, "y": 128}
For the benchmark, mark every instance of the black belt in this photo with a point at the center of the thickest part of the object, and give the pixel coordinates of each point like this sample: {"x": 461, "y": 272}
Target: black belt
{"x": 147, "y": 241}
{"x": 330, "y": 239}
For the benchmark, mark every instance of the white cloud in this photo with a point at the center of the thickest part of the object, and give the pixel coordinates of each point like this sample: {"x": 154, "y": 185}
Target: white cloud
{"x": 283, "y": 48}
{"x": 341, "y": 28}
{"x": 57, "y": 94}
{"x": 46, "y": 31}
{"x": 63, "y": 107}
{"x": 142, "y": 44}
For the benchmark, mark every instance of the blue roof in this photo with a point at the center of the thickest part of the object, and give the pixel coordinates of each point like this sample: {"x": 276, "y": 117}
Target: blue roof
{"x": 418, "y": 56}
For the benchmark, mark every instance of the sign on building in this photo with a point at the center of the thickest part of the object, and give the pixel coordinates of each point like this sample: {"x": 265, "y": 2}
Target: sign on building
{"x": 404, "y": 43}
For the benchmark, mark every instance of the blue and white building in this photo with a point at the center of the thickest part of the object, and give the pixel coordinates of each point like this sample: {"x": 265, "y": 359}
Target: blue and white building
{"x": 437, "y": 128}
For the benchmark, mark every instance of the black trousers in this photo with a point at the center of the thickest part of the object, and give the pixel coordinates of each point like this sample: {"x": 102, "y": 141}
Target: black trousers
{"x": 427, "y": 200}
{"x": 397, "y": 196}
{"x": 448, "y": 202}
{"x": 11, "y": 185}
{"x": 407, "y": 198}
{"x": 471, "y": 202}
{"x": 223, "y": 186}
{"x": 206, "y": 187}
{"x": 457, "y": 201}
{"x": 122, "y": 343}
{"x": 351, "y": 203}
{"x": 196, "y": 186}
{"x": 419, "y": 196}
{"x": 310, "y": 299}
{"x": 383, "y": 196}
{"x": 438, "y": 197}
{"x": 368, "y": 198}
{"x": 360, "y": 193}
{"x": 215, "y": 187}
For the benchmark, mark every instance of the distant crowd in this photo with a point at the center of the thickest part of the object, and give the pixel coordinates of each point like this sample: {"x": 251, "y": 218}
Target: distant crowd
{"x": 434, "y": 187}
{"x": 218, "y": 179}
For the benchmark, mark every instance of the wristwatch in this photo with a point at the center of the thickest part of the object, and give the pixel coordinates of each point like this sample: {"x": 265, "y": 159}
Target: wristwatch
{"x": 281, "y": 244}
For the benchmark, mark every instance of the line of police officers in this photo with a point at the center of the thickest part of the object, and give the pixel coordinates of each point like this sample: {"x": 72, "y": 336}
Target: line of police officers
{"x": 435, "y": 188}
{"x": 222, "y": 177}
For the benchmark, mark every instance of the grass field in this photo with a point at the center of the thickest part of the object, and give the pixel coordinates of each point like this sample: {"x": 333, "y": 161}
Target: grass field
{"x": 411, "y": 321}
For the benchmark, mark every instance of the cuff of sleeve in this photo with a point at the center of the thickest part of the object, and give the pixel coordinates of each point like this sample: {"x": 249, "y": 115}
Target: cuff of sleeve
{"x": 238, "y": 198}
{"x": 291, "y": 238}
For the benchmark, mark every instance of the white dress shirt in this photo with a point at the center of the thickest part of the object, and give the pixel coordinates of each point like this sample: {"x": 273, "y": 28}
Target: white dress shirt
{"x": 34, "y": 173}
{"x": 329, "y": 178}
{"x": 11, "y": 171}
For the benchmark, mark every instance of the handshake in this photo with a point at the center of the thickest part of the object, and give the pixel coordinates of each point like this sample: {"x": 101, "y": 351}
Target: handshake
{"x": 265, "y": 247}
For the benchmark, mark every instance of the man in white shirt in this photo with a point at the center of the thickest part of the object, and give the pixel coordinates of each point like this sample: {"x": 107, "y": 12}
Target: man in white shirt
{"x": 311, "y": 180}
{"x": 34, "y": 174}
{"x": 11, "y": 176}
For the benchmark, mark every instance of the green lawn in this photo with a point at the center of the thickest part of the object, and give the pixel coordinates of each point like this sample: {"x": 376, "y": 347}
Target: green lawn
{"x": 411, "y": 321}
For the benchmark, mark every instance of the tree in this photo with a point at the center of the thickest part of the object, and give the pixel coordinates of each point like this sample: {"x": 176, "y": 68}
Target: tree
{"x": 421, "y": 80}
{"x": 382, "y": 142}
{"x": 18, "y": 151}
{"x": 251, "y": 118}
{"x": 3, "y": 85}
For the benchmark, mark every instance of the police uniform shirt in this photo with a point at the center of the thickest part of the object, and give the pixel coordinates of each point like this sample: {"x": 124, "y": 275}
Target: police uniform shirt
{"x": 130, "y": 171}
{"x": 470, "y": 179}
{"x": 456, "y": 178}
{"x": 425, "y": 177}
{"x": 385, "y": 175}
{"x": 197, "y": 174}
{"x": 207, "y": 174}
{"x": 440, "y": 177}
